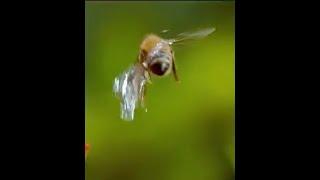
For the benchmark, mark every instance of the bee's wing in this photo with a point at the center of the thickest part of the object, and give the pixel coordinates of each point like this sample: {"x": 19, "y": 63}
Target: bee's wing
{"x": 165, "y": 31}
{"x": 193, "y": 35}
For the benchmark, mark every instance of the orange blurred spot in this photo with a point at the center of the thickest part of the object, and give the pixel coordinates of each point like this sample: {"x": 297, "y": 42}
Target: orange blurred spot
{"x": 87, "y": 147}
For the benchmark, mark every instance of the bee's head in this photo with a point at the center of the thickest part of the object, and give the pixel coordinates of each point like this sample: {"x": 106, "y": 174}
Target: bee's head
{"x": 160, "y": 66}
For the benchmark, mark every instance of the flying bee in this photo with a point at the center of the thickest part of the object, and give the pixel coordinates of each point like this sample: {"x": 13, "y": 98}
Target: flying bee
{"x": 155, "y": 57}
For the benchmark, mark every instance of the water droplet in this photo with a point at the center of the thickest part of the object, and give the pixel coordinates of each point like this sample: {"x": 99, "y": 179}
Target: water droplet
{"x": 129, "y": 87}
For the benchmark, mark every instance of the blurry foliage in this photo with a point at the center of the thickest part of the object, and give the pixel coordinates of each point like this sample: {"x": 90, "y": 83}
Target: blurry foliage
{"x": 188, "y": 131}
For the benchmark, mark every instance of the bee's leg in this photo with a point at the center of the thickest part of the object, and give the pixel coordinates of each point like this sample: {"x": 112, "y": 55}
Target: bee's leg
{"x": 147, "y": 75}
{"x": 174, "y": 70}
{"x": 143, "y": 90}
{"x": 142, "y": 97}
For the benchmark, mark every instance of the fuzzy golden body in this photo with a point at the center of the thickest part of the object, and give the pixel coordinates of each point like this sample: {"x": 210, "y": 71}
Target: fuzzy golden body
{"x": 149, "y": 42}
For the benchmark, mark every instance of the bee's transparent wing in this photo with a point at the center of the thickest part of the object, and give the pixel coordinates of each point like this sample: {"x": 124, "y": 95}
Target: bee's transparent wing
{"x": 193, "y": 35}
{"x": 165, "y": 31}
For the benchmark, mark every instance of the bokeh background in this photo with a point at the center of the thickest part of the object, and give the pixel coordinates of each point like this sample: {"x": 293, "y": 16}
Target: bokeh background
{"x": 188, "y": 131}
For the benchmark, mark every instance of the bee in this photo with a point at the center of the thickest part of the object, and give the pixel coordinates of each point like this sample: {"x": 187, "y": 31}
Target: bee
{"x": 155, "y": 57}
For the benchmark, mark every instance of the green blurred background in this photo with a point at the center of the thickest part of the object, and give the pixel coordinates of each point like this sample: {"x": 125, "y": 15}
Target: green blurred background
{"x": 188, "y": 131}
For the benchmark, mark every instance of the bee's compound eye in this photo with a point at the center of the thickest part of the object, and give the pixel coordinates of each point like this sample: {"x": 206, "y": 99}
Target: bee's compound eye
{"x": 159, "y": 68}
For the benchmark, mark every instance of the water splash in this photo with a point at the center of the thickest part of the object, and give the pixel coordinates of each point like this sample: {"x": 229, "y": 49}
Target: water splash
{"x": 129, "y": 87}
